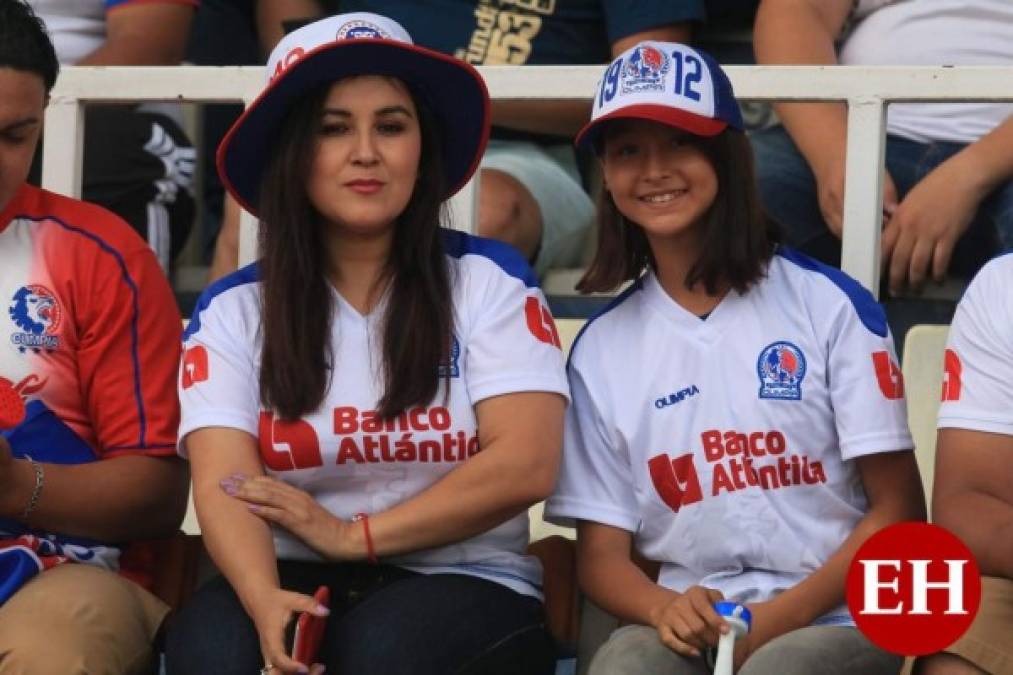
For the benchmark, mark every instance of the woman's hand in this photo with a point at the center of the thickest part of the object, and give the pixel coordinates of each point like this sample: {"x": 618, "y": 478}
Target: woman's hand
{"x": 298, "y": 512}
{"x": 688, "y": 623}
{"x": 271, "y": 612}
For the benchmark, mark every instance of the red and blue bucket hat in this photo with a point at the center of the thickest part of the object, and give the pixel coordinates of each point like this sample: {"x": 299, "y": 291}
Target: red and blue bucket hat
{"x": 346, "y": 45}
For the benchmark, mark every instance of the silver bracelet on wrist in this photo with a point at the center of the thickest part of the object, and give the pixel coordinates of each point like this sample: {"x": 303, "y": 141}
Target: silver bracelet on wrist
{"x": 40, "y": 479}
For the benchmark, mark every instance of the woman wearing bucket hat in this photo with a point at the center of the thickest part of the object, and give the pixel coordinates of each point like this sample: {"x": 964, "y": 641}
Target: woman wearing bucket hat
{"x": 773, "y": 440}
{"x": 374, "y": 405}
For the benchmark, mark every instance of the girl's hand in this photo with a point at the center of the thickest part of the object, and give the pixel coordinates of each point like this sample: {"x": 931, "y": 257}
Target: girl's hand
{"x": 295, "y": 510}
{"x": 271, "y": 612}
{"x": 687, "y": 623}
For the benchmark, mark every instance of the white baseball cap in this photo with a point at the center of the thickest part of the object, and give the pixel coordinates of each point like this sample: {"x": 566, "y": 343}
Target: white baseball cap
{"x": 664, "y": 82}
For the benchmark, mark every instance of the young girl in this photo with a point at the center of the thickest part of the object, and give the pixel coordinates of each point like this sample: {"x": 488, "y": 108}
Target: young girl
{"x": 373, "y": 407}
{"x": 737, "y": 411}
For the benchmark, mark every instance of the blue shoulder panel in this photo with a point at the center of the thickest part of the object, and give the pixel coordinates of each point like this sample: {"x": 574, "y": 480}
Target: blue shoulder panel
{"x": 869, "y": 311}
{"x": 459, "y": 244}
{"x": 247, "y": 275}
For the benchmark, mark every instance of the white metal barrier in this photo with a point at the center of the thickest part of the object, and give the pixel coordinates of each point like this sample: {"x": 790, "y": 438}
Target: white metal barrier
{"x": 866, "y": 90}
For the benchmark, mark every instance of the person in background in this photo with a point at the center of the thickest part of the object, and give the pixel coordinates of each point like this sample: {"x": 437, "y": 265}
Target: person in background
{"x": 947, "y": 195}
{"x": 138, "y": 162}
{"x": 88, "y": 360}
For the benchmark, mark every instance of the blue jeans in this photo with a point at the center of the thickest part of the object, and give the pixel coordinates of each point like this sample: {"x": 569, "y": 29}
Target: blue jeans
{"x": 788, "y": 191}
{"x": 384, "y": 619}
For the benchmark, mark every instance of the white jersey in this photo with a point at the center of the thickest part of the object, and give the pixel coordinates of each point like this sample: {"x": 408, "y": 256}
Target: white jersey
{"x": 725, "y": 444}
{"x": 978, "y": 363}
{"x": 504, "y": 341}
{"x": 935, "y": 33}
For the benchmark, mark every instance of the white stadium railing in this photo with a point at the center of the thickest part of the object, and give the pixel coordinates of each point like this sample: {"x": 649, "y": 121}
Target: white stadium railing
{"x": 866, "y": 90}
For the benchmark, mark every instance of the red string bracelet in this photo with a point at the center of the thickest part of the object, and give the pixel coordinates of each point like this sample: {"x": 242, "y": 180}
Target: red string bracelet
{"x": 370, "y": 551}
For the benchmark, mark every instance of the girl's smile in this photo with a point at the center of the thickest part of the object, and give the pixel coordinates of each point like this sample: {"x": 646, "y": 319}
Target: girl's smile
{"x": 658, "y": 178}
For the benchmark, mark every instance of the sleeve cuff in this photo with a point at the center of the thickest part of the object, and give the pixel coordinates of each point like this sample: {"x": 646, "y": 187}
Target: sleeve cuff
{"x": 872, "y": 444}
{"x": 164, "y": 450}
{"x": 565, "y": 511}
{"x": 215, "y": 418}
{"x": 977, "y": 421}
{"x": 487, "y": 388}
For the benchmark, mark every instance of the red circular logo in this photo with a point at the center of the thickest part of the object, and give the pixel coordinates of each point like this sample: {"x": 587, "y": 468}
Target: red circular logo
{"x": 913, "y": 588}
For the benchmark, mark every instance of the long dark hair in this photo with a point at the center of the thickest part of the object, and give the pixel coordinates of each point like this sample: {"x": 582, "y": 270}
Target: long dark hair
{"x": 297, "y": 358}
{"x": 738, "y": 236}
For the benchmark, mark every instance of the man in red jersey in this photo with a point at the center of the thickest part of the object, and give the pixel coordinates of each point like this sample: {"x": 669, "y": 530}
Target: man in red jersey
{"x": 88, "y": 358}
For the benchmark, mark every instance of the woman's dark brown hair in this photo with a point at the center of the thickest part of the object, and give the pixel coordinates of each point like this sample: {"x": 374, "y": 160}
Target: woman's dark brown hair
{"x": 738, "y": 237}
{"x": 298, "y": 307}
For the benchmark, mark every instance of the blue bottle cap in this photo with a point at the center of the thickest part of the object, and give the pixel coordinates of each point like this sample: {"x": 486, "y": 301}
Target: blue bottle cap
{"x": 734, "y": 610}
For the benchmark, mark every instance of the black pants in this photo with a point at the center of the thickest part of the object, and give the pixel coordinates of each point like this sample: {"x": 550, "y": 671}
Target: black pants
{"x": 384, "y": 621}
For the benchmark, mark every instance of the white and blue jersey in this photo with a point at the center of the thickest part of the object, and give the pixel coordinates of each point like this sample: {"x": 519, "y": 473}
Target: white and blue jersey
{"x": 725, "y": 445}
{"x": 505, "y": 341}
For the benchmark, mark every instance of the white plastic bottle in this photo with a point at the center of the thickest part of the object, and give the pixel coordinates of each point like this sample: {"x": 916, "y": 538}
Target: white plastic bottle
{"x": 739, "y": 620}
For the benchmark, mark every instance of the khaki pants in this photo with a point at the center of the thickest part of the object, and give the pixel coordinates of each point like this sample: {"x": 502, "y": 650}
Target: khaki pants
{"x": 988, "y": 643}
{"x": 79, "y": 620}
